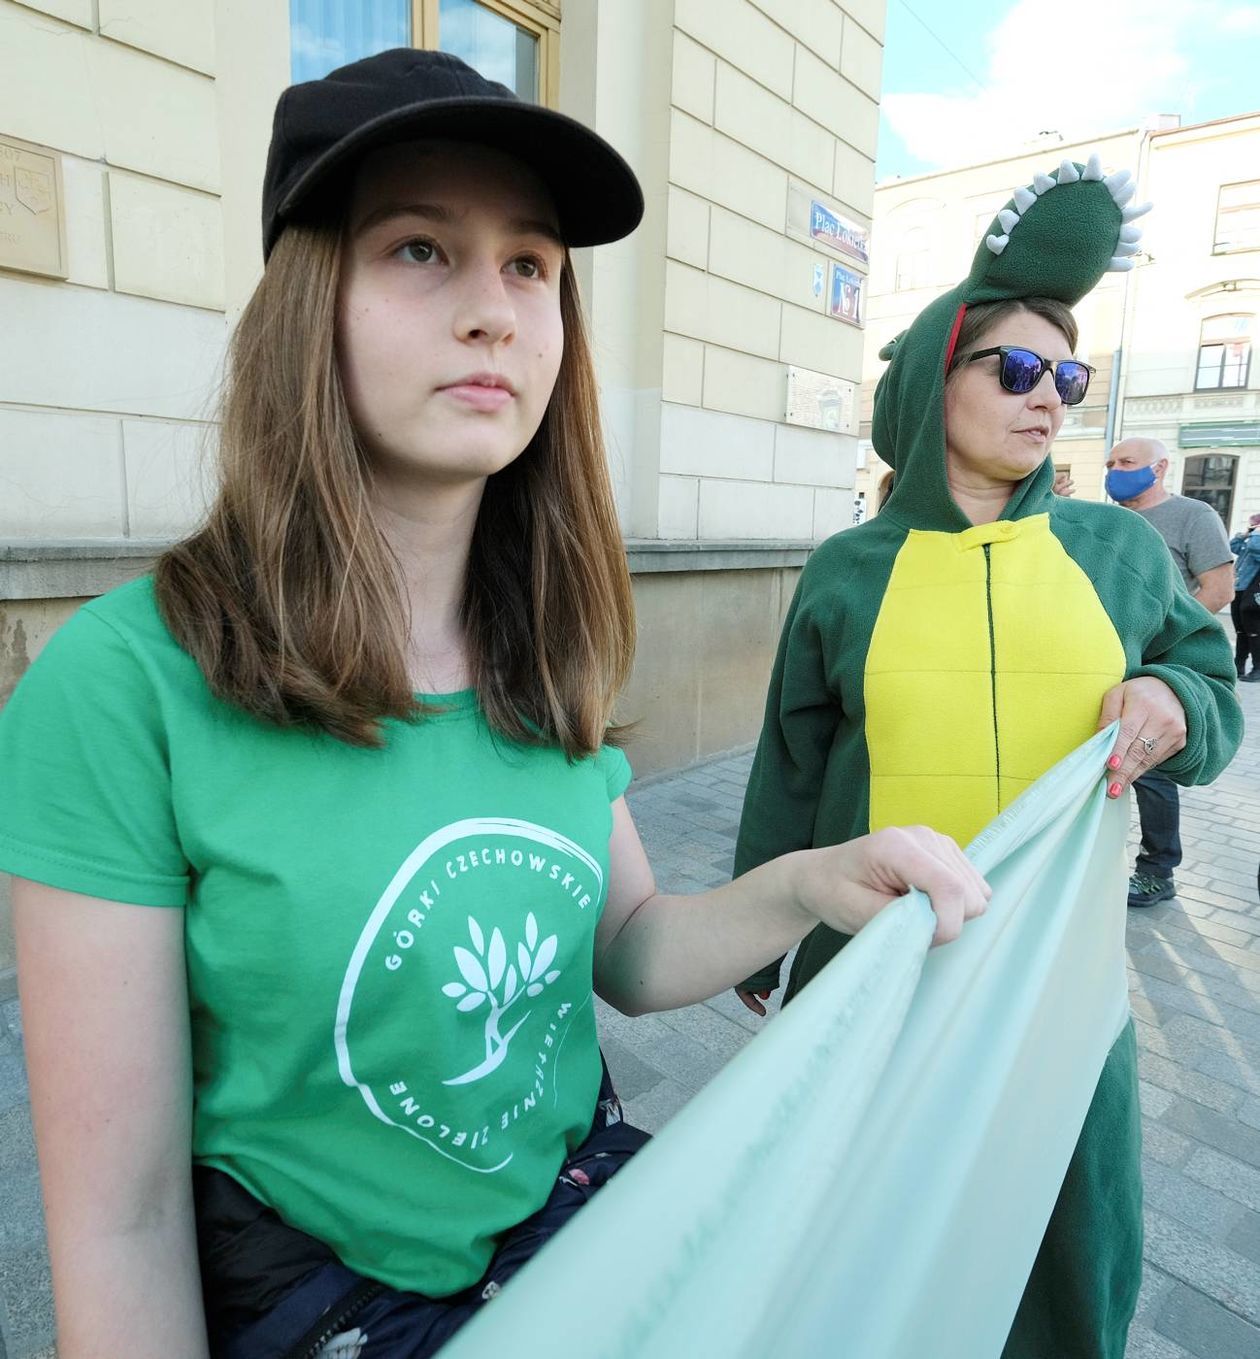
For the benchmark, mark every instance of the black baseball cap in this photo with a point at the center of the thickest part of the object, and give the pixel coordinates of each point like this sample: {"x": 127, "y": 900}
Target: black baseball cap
{"x": 324, "y": 127}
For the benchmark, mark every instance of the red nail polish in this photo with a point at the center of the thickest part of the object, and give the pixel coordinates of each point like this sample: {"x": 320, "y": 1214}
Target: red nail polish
{"x": 1114, "y": 762}
{"x": 1114, "y": 790}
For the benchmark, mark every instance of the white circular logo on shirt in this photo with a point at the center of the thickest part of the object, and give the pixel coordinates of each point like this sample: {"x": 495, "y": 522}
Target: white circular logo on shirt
{"x": 474, "y": 940}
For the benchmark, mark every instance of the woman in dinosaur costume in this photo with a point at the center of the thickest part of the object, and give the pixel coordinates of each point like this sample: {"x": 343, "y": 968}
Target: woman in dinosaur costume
{"x": 939, "y": 658}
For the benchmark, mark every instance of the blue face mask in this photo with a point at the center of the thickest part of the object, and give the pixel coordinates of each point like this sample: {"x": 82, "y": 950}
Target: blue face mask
{"x": 1124, "y": 486}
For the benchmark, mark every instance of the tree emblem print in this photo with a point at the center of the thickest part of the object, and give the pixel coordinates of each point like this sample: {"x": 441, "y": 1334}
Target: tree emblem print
{"x": 489, "y": 979}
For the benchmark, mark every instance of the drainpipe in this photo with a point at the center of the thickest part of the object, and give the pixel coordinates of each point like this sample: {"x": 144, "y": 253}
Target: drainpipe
{"x": 1115, "y": 401}
{"x": 1113, "y": 391}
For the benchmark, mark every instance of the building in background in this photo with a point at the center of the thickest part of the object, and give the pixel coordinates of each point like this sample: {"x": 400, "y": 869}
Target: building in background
{"x": 727, "y": 331}
{"x": 1171, "y": 339}
{"x": 1188, "y": 378}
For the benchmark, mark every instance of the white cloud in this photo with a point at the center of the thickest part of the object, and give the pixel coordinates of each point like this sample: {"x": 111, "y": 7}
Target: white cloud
{"x": 1125, "y": 62}
{"x": 1241, "y": 20}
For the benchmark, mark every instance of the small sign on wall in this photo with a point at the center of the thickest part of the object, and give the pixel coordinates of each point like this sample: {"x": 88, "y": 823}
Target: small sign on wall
{"x": 32, "y": 216}
{"x": 828, "y": 226}
{"x": 845, "y": 298}
{"x": 820, "y": 401}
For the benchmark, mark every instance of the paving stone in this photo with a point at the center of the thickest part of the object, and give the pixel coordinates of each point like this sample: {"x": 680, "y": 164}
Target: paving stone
{"x": 17, "y": 1142}
{"x": 1226, "y": 1067}
{"x": 21, "y": 1208}
{"x": 652, "y": 1110}
{"x": 26, "y": 1287}
{"x": 11, "y": 1011}
{"x": 1237, "y": 1019}
{"x": 723, "y": 1037}
{"x": 1249, "y": 1113}
{"x": 727, "y": 1004}
{"x": 1166, "y": 1042}
{"x": 1156, "y": 1286}
{"x": 1155, "y": 960}
{"x": 1193, "y": 951}
{"x": 685, "y": 1061}
{"x": 631, "y": 1077}
{"x": 1212, "y": 1331}
{"x": 1208, "y": 1212}
{"x": 1148, "y": 1344}
{"x": 1241, "y": 1182}
{"x": 13, "y": 1091}
{"x": 1165, "y": 1146}
{"x": 1244, "y": 1236}
{"x": 1180, "y": 933}
{"x": 1217, "y": 1130}
{"x": 1192, "y": 1028}
{"x": 1215, "y": 1270}
{"x": 1170, "y": 1075}
{"x": 1154, "y": 1101}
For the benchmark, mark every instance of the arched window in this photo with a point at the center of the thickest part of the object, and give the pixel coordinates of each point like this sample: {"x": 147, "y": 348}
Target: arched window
{"x": 914, "y": 257}
{"x": 1224, "y": 352}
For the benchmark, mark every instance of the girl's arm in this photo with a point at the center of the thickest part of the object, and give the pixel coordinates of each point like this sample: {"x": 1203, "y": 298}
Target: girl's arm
{"x": 655, "y": 952}
{"x": 105, "y": 1016}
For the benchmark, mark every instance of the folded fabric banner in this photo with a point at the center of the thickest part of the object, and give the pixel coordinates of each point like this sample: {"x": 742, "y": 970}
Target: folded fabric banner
{"x": 872, "y": 1175}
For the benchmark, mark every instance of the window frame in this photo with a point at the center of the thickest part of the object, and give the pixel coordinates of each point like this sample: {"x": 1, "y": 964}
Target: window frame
{"x": 1209, "y": 494}
{"x": 1220, "y": 384}
{"x": 539, "y": 17}
{"x": 1217, "y": 247}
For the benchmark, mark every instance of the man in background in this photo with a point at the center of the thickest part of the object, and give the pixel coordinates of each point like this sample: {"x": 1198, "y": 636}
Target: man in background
{"x": 1199, "y": 545}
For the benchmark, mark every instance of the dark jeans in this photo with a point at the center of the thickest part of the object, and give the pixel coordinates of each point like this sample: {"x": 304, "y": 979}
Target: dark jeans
{"x": 1246, "y": 615}
{"x": 1159, "y": 811}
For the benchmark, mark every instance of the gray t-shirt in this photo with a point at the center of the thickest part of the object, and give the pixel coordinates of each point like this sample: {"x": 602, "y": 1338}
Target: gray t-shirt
{"x": 1194, "y": 533}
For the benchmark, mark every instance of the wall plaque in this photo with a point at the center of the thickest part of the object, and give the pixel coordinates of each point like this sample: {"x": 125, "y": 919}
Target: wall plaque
{"x": 846, "y": 295}
{"x": 32, "y": 213}
{"x": 820, "y": 401}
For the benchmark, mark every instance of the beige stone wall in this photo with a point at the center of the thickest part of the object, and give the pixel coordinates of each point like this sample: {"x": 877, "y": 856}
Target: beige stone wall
{"x": 769, "y": 98}
{"x": 107, "y": 381}
{"x": 925, "y": 233}
{"x": 24, "y": 629}
{"x": 707, "y": 643}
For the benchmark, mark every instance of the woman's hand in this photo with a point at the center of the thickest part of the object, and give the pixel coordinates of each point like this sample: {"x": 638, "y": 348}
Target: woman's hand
{"x": 844, "y": 886}
{"x": 1152, "y": 729}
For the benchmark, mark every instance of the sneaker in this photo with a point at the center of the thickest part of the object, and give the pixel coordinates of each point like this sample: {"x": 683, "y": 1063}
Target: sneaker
{"x": 1252, "y": 678}
{"x": 1145, "y": 889}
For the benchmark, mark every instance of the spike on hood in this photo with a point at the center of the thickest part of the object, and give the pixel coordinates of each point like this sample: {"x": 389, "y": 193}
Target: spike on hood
{"x": 1055, "y": 238}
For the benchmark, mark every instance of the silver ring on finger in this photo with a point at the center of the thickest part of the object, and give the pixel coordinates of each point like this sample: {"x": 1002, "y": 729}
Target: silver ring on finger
{"x": 1149, "y": 743}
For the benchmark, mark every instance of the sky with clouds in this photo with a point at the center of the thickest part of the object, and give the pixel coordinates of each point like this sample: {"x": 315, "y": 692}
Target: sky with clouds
{"x": 993, "y": 74}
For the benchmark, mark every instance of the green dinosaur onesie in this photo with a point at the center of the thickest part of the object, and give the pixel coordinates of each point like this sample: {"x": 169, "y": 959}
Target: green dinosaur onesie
{"x": 930, "y": 669}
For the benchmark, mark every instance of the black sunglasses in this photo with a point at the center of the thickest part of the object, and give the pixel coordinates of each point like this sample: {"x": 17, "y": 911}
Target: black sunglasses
{"x": 1021, "y": 371}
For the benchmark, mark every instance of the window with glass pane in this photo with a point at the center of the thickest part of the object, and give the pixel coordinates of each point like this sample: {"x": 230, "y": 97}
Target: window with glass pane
{"x": 1211, "y": 478}
{"x": 325, "y": 34}
{"x": 1224, "y": 352}
{"x": 492, "y": 44}
{"x": 1238, "y": 218}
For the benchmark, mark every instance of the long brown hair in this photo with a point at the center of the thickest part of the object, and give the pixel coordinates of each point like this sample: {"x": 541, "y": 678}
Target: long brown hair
{"x": 289, "y": 598}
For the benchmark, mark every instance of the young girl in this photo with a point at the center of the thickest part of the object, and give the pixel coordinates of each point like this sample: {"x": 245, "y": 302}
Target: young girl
{"x": 357, "y": 728}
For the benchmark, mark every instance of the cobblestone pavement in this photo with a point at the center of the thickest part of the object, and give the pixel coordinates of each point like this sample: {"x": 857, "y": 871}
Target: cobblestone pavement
{"x": 1194, "y": 971}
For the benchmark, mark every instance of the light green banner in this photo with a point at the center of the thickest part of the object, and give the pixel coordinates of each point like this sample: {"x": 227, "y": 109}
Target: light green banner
{"x": 872, "y": 1175}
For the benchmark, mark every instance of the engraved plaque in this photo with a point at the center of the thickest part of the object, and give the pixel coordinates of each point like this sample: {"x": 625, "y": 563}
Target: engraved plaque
{"x": 32, "y": 217}
{"x": 820, "y": 401}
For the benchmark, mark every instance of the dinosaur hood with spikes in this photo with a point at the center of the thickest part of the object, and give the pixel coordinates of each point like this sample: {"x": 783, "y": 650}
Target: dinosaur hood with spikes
{"x": 1056, "y": 239}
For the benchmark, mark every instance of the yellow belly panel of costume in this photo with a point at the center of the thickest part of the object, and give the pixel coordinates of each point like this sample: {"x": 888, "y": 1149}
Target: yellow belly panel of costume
{"x": 987, "y": 664}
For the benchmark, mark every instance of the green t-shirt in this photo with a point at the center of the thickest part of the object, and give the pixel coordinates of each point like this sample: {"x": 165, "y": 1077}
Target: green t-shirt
{"x": 389, "y": 951}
